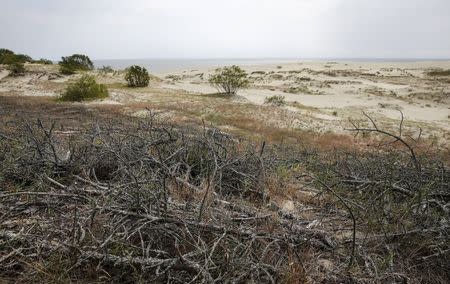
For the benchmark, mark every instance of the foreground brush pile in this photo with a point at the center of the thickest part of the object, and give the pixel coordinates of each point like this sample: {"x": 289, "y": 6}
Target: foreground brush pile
{"x": 141, "y": 200}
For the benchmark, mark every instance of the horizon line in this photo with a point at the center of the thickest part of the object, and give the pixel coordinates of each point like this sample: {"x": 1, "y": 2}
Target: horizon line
{"x": 279, "y": 58}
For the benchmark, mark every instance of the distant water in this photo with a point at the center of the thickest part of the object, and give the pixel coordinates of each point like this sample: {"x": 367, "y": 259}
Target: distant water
{"x": 172, "y": 65}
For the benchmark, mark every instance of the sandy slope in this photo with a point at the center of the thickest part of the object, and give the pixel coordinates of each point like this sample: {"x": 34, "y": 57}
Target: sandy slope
{"x": 345, "y": 87}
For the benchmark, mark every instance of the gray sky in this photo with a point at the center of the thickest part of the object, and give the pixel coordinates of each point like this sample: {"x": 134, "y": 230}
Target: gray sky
{"x": 106, "y": 29}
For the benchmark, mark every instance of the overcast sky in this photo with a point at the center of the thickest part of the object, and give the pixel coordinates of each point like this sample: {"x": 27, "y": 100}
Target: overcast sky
{"x": 107, "y": 29}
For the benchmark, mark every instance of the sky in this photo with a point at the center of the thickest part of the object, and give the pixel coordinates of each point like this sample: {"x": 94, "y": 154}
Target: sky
{"x": 113, "y": 29}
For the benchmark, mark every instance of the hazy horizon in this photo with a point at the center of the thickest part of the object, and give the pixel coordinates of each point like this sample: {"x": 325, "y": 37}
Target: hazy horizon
{"x": 205, "y": 29}
{"x": 281, "y": 58}
{"x": 164, "y": 65}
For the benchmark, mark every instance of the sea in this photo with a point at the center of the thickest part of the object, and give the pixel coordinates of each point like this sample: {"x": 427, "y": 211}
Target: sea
{"x": 174, "y": 65}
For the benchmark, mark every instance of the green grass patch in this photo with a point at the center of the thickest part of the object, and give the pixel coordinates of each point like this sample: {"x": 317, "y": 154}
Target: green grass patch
{"x": 439, "y": 73}
{"x": 84, "y": 89}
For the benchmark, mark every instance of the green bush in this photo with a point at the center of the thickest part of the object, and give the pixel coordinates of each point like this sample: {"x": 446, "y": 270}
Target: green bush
{"x": 275, "y": 100}
{"x": 16, "y": 69}
{"x": 4, "y": 53}
{"x": 8, "y": 57}
{"x": 66, "y": 70}
{"x": 229, "y": 80}
{"x": 77, "y": 62}
{"x": 15, "y": 58}
{"x": 43, "y": 61}
{"x": 106, "y": 69}
{"x": 439, "y": 73}
{"x": 86, "y": 88}
{"x": 22, "y": 58}
{"x": 137, "y": 76}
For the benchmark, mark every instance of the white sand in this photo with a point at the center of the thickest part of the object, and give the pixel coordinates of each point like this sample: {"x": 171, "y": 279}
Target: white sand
{"x": 352, "y": 94}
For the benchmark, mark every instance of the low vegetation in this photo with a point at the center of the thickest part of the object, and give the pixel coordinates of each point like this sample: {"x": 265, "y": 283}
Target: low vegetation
{"x": 141, "y": 200}
{"x": 84, "y": 89}
{"x": 76, "y": 62}
{"x": 8, "y": 57}
{"x": 275, "y": 100}
{"x": 106, "y": 69}
{"x": 439, "y": 73}
{"x": 4, "y": 53}
{"x": 229, "y": 80}
{"x": 258, "y": 73}
{"x": 137, "y": 76}
{"x": 43, "y": 61}
{"x": 88, "y": 194}
{"x": 16, "y": 69}
{"x": 300, "y": 89}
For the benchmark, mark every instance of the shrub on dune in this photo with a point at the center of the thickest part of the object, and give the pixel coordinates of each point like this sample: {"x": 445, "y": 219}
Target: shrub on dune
{"x": 76, "y": 62}
{"x": 275, "y": 100}
{"x": 439, "y": 72}
{"x": 84, "y": 89}
{"x": 3, "y": 53}
{"x": 16, "y": 69}
{"x": 228, "y": 80}
{"x": 106, "y": 69}
{"x": 43, "y": 61}
{"x": 8, "y": 57}
{"x": 137, "y": 76}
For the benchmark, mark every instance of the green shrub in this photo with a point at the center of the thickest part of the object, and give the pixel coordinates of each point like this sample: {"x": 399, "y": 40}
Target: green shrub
{"x": 137, "y": 76}
{"x": 275, "y": 100}
{"x": 15, "y": 58}
{"x": 106, "y": 69}
{"x": 258, "y": 73}
{"x": 8, "y": 57}
{"x": 86, "y": 88}
{"x": 77, "y": 62}
{"x": 229, "y": 80}
{"x": 43, "y": 61}
{"x": 4, "y": 52}
{"x": 16, "y": 69}
{"x": 66, "y": 70}
{"x": 22, "y": 58}
{"x": 439, "y": 73}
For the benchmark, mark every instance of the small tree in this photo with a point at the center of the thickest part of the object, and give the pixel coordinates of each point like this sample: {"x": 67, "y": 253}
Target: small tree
{"x": 70, "y": 64}
{"x": 9, "y": 57}
{"x": 229, "y": 80}
{"x": 86, "y": 88}
{"x": 137, "y": 76}
{"x": 43, "y": 61}
{"x": 3, "y": 54}
{"x": 66, "y": 70}
{"x": 16, "y": 69}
